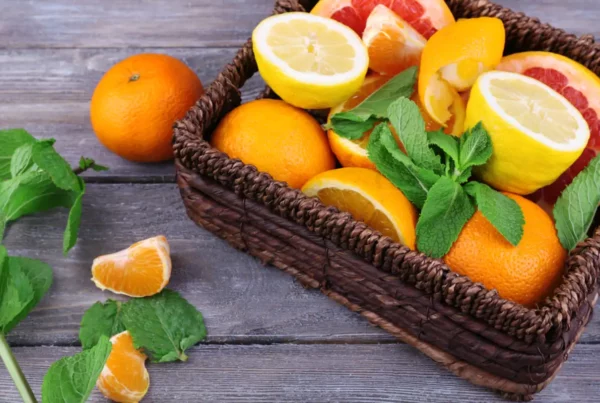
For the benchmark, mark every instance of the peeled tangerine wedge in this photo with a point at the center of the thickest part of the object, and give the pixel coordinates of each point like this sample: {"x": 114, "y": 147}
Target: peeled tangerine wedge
{"x": 536, "y": 132}
{"x": 392, "y": 43}
{"x": 124, "y": 377}
{"x": 141, "y": 270}
{"x": 311, "y": 62}
{"x": 370, "y": 198}
{"x": 452, "y": 60}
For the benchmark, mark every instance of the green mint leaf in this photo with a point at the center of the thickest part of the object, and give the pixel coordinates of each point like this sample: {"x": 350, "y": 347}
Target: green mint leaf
{"x": 475, "y": 147}
{"x": 351, "y": 126}
{"x": 100, "y": 320}
{"x": 412, "y": 180}
{"x": 3, "y": 221}
{"x": 74, "y": 221}
{"x": 501, "y": 211}
{"x": 87, "y": 163}
{"x": 10, "y": 140}
{"x": 30, "y": 280}
{"x": 406, "y": 118}
{"x": 21, "y": 160}
{"x": 576, "y": 207}
{"x": 164, "y": 325}
{"x": 465, "y": 175}
{"x": 48, "y": 160}
{"x": 29, "y": 193}
{"x": 445, "y": 213}
{"x": 445, "y": 142}
{"x": 3, "y": 269}
{"x": 376, "y": 105}
{"x": 72, "y": 379}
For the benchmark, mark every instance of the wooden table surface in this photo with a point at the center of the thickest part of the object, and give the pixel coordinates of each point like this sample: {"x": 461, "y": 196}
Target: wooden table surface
{"x": 269, "y": 339}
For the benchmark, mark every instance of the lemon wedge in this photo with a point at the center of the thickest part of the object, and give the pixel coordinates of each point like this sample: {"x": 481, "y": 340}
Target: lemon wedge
{"x": 310, "y": 61}
{"x": 536, "y": 133}
{"x": 369, "y": 197}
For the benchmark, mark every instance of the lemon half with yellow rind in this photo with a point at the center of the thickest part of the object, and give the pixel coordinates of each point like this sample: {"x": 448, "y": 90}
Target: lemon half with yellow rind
{"x": 310, "y": 61}
{"x": 536, "y": 133}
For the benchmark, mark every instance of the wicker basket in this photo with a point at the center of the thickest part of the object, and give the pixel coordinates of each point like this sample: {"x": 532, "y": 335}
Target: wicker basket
{"x": 460, "y": 324}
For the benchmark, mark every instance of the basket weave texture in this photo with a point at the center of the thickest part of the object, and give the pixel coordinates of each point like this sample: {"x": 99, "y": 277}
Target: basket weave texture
{"x": 469, "y": 329}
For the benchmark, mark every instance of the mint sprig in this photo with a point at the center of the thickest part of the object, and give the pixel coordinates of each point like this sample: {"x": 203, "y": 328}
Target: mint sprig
{"x": 354, "y": 123}
{"x": 576, "y": 207}
{"x": 435, "y": 175}
{"x": 34, "y": 177}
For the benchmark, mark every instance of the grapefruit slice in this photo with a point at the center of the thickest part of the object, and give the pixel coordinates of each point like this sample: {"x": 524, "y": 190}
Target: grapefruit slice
{"x": 426, "y": 16}
{"x": 576, "y": 83}
{"x": 392, "y": 43}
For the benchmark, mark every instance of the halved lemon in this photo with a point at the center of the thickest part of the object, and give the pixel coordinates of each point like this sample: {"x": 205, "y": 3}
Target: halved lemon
{"x": 141, "y": 270}
{"x": 311, "y": 62}
{"x": 370, "y": 198}
{"x": 536, "y": 133}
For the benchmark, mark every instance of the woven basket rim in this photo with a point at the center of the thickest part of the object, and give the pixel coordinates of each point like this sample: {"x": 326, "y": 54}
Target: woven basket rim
{"x": 548, "y": 319}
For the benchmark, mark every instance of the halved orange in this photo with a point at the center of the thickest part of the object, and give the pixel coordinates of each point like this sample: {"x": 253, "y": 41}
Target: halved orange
{"x": 124, "y": 377}
{"x": 426, "y": 16}
{"x": 392, "y": 43}
{"x": 581, "y": 87}
{"x": 453, "y": 59}
{"x": 141, "y": 270}
{"x": 370, "y": 198}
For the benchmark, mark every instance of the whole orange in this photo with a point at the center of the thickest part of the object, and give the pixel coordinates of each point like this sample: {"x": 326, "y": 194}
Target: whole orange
{"x": 525, "y": 273}
{"x": 277, "y": 138}
{"x": 136, "y": 103}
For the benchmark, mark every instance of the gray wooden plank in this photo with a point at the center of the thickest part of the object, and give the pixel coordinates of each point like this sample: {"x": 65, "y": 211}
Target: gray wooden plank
{"x": 315, "y": 373}
{"x": 243, "y": 301}
{"x": 575, "y": 16}
{"x": 118, "y": 23}
{"x": 48, "y": 93}
{"x": 201, "y": 23}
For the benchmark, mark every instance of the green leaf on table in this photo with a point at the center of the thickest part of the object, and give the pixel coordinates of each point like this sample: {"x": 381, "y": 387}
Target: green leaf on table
{"x": 397, "y": 167}
{"x": 501, "y": 211}
{"x": 445, "y": 213}
{"x": 465, "y": 175}
{"x": 10, "y": 141}
{"x": 406, "y": 118}
{"x": 31, "y": 192}
{"x": 101, "y": 319}
{"x": 21, "y": 160}
{"x": 475, "y": 147}
{"x": 74, "y": 220}
{"x": 51, "y": 162}
{"x": 351, "y": 126}
{"x": 88, "y": 163}
{"x": 445, "y": 142}
{"x": 23, "y": 283}
{"x": 576, "y": 207}
{"x": 165, "y": 325}
{"x": 72, "y": 379}
{"x": 376, "y": 105}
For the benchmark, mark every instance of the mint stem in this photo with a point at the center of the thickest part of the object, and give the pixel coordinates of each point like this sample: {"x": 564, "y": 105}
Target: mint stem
{"x": 15, "y": 371}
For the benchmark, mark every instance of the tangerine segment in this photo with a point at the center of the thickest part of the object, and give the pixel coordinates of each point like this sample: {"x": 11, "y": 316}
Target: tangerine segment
{"x": 425, "y": 16}
{"x": 141, "y": 270}
{"x": 580, "y": 86}
{"x": 124, "y": 377}
{"x": 453, "y": 59}
{"x": 392, "y": 43}
{"x": 525, "y": 273}
{"x": 370, "y": 198}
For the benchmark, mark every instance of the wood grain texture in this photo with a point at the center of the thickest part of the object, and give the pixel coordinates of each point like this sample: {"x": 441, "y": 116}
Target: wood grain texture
{"x": 243, "y": 302}
{"x": 119, "y": 23}
{"x": 48, "y": 91}
{"x": 315, "y": 373}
